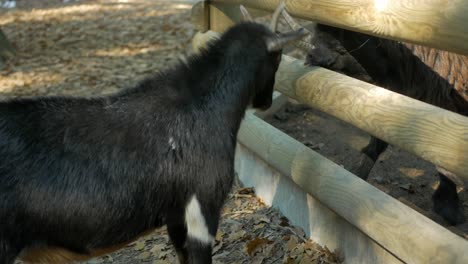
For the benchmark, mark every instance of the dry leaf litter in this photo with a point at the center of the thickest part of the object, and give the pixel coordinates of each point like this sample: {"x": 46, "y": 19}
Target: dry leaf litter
{"x": 91, "y": 48}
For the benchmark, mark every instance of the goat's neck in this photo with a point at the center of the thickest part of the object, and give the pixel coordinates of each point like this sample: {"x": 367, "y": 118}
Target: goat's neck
{"x": 232, "y": 90}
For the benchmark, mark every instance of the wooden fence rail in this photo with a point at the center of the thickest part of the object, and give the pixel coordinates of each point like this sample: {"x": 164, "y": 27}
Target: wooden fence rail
{"x": 434, "y": 23}
{"x": 378, "y": 215}
{"x": 432, "y": 133}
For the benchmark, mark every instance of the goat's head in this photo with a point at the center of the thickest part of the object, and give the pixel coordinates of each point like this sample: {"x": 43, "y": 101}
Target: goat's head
{"x": 268, "y": 50}
{"x": 324, "y": 48}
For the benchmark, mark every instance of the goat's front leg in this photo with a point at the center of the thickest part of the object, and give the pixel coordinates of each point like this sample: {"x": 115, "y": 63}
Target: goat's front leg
{"x": 445, "y": 200}
{"x": 192, "y": 231}
{"x": 369, "y": 156}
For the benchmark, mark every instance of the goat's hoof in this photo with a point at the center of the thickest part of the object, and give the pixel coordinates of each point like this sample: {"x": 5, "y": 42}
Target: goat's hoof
{"x": 363, "y": 167}
{"x": 448, "y": 207}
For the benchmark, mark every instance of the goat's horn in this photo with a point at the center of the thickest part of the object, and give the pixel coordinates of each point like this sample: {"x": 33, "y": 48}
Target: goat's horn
{"x": 291, "y": 22}
{"x": 278, "y": 42}
{"x": 245, "y": 14}
{"x": 305, "y": 43}
{"x": 275, "y": 17}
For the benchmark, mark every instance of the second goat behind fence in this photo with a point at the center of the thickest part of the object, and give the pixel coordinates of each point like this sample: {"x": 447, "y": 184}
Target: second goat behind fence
{"x": 433, "y": 76}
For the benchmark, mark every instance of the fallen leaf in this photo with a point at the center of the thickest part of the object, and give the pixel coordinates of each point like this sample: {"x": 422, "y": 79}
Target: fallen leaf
{"x": 157, "y": 248}
{"x": 139, "y": 245}
{"x": 245, "y": 191}
{"x": 237, "y": 235}
{"x": 109, "y": 258}
{"x": 163, "y": 254}
{"x": 292, "y": 243}
{"x": 256, "y": 243}
{"x": 264, "y": 218}
{"x": 298, "y": 250}
{"x": 288, "y": 260}
{"x": 299, "y": 231}
{"x": 217, "y": 247}
{"x": 259, "y": 226}
{"x": 306, "y": 260}
{"x": 219, "y": 235}
{"x": 144, "y": 255}
{"x": 268, "y": 249}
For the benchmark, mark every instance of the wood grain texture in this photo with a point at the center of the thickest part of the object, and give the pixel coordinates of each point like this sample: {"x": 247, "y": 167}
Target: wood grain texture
{"x": 319, "y": 223}
{"x": 407, "y": 234}
{"x": 200, "y": 16}
{"x": 224, "y": 15}
{"x": 440, "y": 24}
{"x": 430, "y": 132}
{"x": 402, "y": 231}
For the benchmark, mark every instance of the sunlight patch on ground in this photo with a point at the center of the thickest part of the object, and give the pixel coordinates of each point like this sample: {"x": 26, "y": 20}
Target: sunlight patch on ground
{"x": 91, "y": 47}
{"x": 127, "y": 51}
{"x": 59, "y": 14}
{"x": 411, "y": 172}
{"x": 357, "y": 142}
{"x": 25, "y": 80}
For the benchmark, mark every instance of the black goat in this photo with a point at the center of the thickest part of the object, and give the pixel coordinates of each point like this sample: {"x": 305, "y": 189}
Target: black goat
{"x": 82, "y": 177}
{"x": 433, "y": 76}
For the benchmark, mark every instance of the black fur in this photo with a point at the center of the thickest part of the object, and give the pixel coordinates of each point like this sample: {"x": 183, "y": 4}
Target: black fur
{"x": 83, "y": 174}
{"x": 393, "y": 65}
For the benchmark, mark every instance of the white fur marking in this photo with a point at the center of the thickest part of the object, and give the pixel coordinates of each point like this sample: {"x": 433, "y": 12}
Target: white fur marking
{"x": 196, "y": 225}
{"x": 172, "y": 143}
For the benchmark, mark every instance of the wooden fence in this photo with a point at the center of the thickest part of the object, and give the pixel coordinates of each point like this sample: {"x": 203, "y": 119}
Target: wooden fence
{"x": 334, "y": 206}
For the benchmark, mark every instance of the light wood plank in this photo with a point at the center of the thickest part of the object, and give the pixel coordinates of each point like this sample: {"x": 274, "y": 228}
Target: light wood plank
{"x": 430, "y": 132}
{"x": 434, "y": 23}
{"x": 407, "y": 234}
{"x": 200, "y": 16}
{"x": 319, "y": 223}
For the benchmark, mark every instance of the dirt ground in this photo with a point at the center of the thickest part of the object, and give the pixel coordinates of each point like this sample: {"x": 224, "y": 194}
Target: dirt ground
{"x": 87, "y": 48}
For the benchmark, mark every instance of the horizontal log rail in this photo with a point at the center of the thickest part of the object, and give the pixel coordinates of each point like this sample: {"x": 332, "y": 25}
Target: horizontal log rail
{"x": 433, "y": 23}
{"x": 430, "y": 132}
{"x": 407, "y": 234}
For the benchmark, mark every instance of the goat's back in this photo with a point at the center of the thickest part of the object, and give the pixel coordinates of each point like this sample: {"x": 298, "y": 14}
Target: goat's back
{"x": 452, "y": 67}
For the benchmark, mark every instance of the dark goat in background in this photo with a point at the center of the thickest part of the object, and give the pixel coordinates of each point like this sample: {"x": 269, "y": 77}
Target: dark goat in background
{"x": 81, "y": 177}
{"x": 436, "y": 77}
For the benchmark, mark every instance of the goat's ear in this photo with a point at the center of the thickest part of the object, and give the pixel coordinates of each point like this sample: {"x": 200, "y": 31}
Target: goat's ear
{"x": 245, "y": 14}
{"x": 277, "y": 43}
